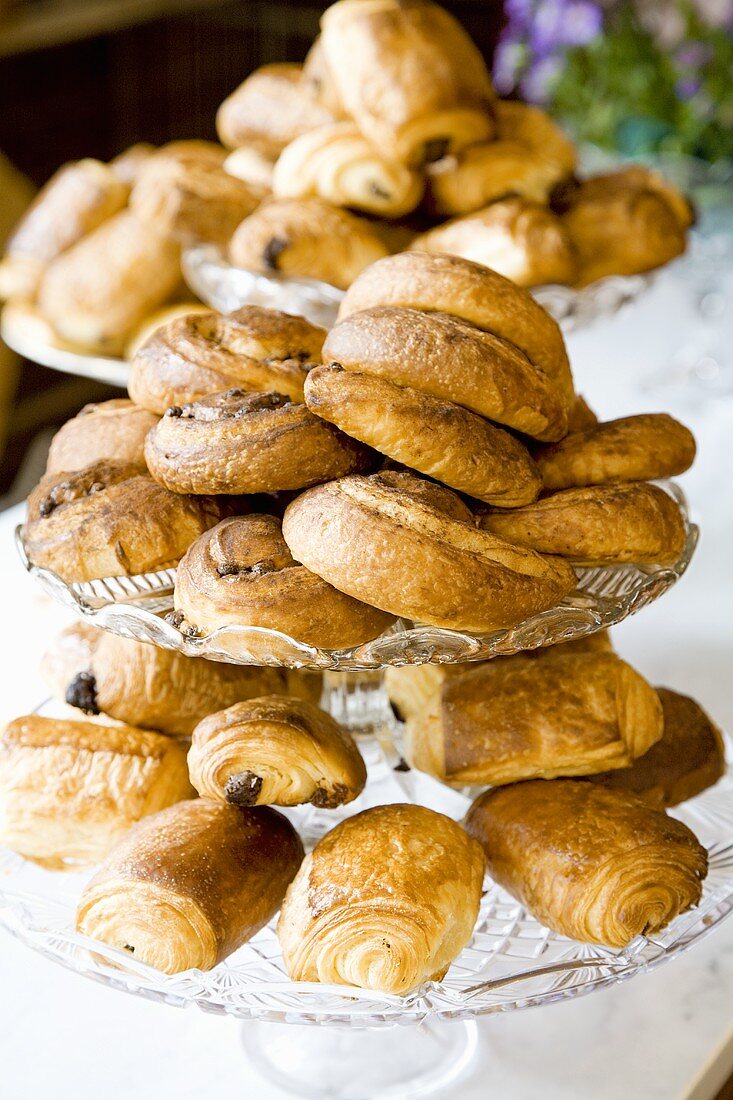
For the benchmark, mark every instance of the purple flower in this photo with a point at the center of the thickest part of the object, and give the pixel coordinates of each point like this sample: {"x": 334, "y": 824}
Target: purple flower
{"x": 508, "y": 60}
{"x": 519, "y": 12}
{"x": 687, "y": 87}
{"x": 536, "y": 84}
{"x": 693, "y": 54}
{"x": 564, "y": 23}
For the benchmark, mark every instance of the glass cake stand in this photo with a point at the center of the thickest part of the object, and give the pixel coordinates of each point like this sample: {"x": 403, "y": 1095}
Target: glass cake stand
{"x": 25, "y": 332}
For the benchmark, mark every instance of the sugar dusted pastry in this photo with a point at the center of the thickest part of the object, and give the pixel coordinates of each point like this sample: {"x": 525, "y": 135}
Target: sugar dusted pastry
{"x": 385, "y": 901}
{"x": 112, "y": 430}
{"x": 275, "y": 751}
{"x": 190, "y": 885}
{"x": 70, "y": 790}
{"x": 596, "y": 865}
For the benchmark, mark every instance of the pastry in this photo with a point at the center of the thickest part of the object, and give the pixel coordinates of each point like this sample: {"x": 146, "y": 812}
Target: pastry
{"x": 385, "y": 901}
{"x": 383, "y": 546}
{"x": 191, "y": 884}
{"x": 598, "y": 524}
{"x": 70, "y": 790}
{"x": 409, "y": 75}
{"x": 318, "y": 78}
{"x": 632, "y": 448}
{"x": 69, "y": 653}
{"x": 338, "y": 164}
{"x": 110, "y": 519}
{"x": 596, "y": 865}
{"x": 254, "y": 164}
{"x": 450, "y": 359}
{"x": 242, "y": 573}
{"x": 527, "y": 717}
{"x": 128, "y": 164}
{"x": 274, "y": 751}
{"x": 236, "y": 442}
{"x": 427, "y": 434}
{"x": 150, "y": 324}
{"x": 431, "y": 493}
{"x": 581, "y": 416}
{"x": 306, "y": 238}
{"x": 257, "y": 349}
{"x": 112, "y": 430}
{"x": 107, "y": 283}
{"x": 192, "y": 151}
{"x": 689, "y": 758}
{"x": 522, "y": 240}
{"x": 533, "y": 128}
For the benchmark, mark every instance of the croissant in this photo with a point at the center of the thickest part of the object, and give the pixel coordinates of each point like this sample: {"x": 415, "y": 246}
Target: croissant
{"x": 536, "y": 130}
{"x": 318, "y": 78}
{"x": 261, "y": 350}
{"x": 596, "y": 865}
{"x": 70, "y": 790}
{"x": 632, "y": 448}
{"x": 110, "y": 519}
{"x": 306, "y": 238}
{"x": 384, "y": 546}
{"x": 253, "y": 164}
{"x": 385, "y": 901}
{"x": 689, "y": 758}
{"x": 409, "y": 75}
{"x": 242, "y": 573}
{"x": 274, "y": 751}
{"x": 190, "y": 885}
{"x": 600, "y": 524}
{"x": 112, "y": 430}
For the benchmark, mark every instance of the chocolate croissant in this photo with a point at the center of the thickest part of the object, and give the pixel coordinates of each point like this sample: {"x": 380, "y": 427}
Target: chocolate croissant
{"x": 113, "y": 430}
{"x": 70, "y": 790}
{"x": 385, "y": 901}
{"x": 274, "y": 751}
{"x": 190, "y": 885}
{"x": 596, "y": 865}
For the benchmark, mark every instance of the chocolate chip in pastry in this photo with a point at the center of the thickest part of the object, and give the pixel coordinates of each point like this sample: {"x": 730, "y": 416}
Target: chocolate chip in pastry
{"x": 113, "y": 430}
{"x": 69, "y": 653}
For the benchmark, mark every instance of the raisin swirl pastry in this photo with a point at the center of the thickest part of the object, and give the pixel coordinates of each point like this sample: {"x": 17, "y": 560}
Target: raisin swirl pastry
{"x": 274, "y": 751}
{"x": 243, "y": 443}
{"x": 110, "y": 519}
{"x": 113, "y": 430}
{"x": 188, "y": 886}
{"x": 255, "y": 349}
{"x": 242, "y": 573}
{"x": 597, "y": 865}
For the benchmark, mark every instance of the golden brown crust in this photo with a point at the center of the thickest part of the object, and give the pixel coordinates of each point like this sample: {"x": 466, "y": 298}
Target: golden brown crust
{"x": 254, "y": 164}
{"x": 599, "y": 866}
{"x": 318, "y": 78}
{"x": 429, "y": 492}
{"x": 242, "y": 573}
{"x": 190, "y": 885}
{"x": 536, "y": 130}
{"x": 385, "y": 901}
{"x": 113, "y": 430}
{"x": 581, "y": 415}
{"x": 160, "y": 317}
{"x": 386, "y": 547}
{"x": 69, "y": 653}
{"x": 128, "y": 164}
{"x": 632, "y": 448}
{"x": 487, "y": 172}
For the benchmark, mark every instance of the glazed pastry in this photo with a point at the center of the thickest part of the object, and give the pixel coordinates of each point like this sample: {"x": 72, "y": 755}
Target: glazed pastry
{"x": 409, "y": 75}
{"x": 254, "y": 164}
{"x": 274, "y": 751}
{"x": 338, "y": 164}
{"x": 158, "y": 688}
{"x": 596, "y": 865}
{"x": 632, "y": 448}
{"x": 112, "y": 430}
{"x": 385, "y": 901}
{"x": 581, "y": 416}
{"x": 99, "y": 290}
{"x": 453, "y": 360}
{"x": 306, "y": 238}
{"x": 190, "y": 885}
{"x": 242, "y": 573}
{"x": 70, "y": 790}
{"x": 383, "y": 546}
{"x": 471, "y": 292}
{"x": 536, "y": 717}
{"x": 533, "y": 128}
{"x": 599, "y": 524}
{"x": 242, "y": 443}
{"x": 110, "y": 519}
{"x": 428, "y": 492}
{"x": 274, "y": 105}
{"x": 77, "y": 199}
{"x": 163, "y": 316}
{"x": 427, "y": 434}
{"x": 689, "y": 758}
{"x": 522, "y": 240}
{"x": 256, "y": 349}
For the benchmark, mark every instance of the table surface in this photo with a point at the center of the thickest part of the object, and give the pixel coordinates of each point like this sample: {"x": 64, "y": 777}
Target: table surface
{"x": 667, "y": 1035}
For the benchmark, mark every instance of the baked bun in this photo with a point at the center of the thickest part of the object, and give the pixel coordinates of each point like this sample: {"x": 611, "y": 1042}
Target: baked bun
{"x": 431, "y": 493}
{"x": 163, "y": 316}
{"x": 409, "y": 75}
{"x": 70, "y": 790}
{"x": 253, "y": 164}
{"x": 192, "y": 151}
{"x": 110, "y": 519}
{"x": 632, "y": 448}
{"x": 256, "y": 349}
{"x": 598, "y": 524}
{"x": 113, "y": 430}
{"x": 275, "y": 751}
{"x": 242, "y": 443}
{"x": 306, "y": 238}
{"x": 241, "y": 573}
{"x": 436, "y": 437}
{"x": 383, "y": 546}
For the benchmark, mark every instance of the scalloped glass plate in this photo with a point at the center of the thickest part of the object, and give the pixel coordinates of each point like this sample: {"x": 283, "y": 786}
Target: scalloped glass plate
{"x": 24, "y": 330}
{"x": 134, "y": 607}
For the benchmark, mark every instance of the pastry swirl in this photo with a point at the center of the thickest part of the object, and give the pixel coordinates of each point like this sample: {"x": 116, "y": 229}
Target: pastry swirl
{"x": 113, "y": 430}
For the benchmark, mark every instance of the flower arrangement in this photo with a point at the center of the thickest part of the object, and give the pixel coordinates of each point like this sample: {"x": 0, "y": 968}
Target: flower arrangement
{"x": 636, "y": 76}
